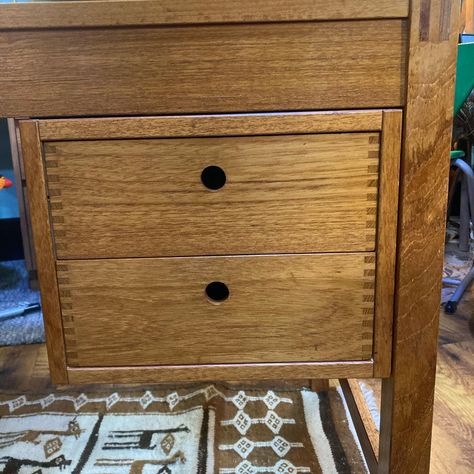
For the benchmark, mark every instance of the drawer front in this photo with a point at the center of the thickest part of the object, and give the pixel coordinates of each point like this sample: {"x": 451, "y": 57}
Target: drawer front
{"x": 159, "y": 197}
{"x": 204, "y": 69}
{"x": 134, "y": 312}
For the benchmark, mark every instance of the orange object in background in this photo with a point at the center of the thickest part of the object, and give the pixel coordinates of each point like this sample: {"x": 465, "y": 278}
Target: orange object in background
{"x": 5, "y": 182}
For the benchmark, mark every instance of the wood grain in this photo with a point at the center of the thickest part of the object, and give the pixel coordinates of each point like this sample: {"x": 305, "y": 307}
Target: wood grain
{"x": 36, "y": 186}
{"x": 218, "y": 372}
{"x": 205, "y": 69}
{"x": 386, "y": 240}
{"x": 368, "y": 440}
{"x": 25, "y": 369}
{"x": 166, "y": 12}
{"x": 18, "y": 367}
{"x": 319, "y": 385}
{"x": 453, "y": 429}
{"x": 145, "y": 198}
{"x": 407, "y": 400}
{"x": 308, "y": 308}
{"x": 277, "y": 123}
{"x": 367, "y": 419}
{"x": 468, "y": 14}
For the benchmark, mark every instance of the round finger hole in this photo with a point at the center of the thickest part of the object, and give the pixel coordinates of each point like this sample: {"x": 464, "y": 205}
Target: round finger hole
{"x": 217, "y": 292}
{"x": 213, "y": 177}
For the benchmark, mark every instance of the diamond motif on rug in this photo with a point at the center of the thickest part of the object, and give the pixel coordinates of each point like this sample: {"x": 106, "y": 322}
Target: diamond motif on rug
{"x": 240, "y": 400}
{"x": 245, "y": 467}
{"x": 280, "y": 446}
{"x": 210, "y": 392}
{"x": 167, "y": 443}
{"x": 244, "y": 447}
{"x": 112, "y": 400}
{"x": 271, "y": 400}
{"x": 80, "y": 401}
{"x": 173, "y": 400}
{"x": 242, "y": 422}
{"x": 45, "y": 402}
{"x": 146, "y": 399}
{"x": 273, "y": 421}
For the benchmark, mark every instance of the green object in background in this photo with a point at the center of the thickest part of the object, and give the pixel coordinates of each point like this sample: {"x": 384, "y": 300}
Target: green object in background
{"x": 455, "y": 154}
{"x": 464, "y": 74}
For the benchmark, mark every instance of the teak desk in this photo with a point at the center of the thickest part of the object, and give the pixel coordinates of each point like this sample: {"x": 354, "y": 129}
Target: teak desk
{"x": 252, "y": 189}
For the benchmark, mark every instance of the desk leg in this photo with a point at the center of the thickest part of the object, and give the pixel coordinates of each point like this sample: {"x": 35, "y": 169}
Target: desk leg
{"x": 407, "y": 396}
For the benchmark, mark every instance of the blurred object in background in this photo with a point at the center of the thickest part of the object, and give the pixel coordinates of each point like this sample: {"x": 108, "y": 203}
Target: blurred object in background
{"x": 468, "y": 9}
{"x": 468, "y": 16}
{"x": 5, "y": 182}
{"x": 10, "y": 234}
{"x": 461, "y": 190}
{"x": 15, "y": 227}
{"x": 463, "y": 127}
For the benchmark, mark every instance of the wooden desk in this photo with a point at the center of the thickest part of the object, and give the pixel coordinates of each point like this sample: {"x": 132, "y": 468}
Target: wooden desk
{"x": 254, "y": 189}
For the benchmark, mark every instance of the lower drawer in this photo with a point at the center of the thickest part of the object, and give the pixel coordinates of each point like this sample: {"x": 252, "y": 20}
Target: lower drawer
{"x": 208, "y": 310}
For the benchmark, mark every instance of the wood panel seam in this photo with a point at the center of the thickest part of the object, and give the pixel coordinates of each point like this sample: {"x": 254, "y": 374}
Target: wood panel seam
{"x": 67, "y": 313}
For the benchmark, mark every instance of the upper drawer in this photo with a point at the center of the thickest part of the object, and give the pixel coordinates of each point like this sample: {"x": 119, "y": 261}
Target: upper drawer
{"x": 214, "y": 196}
{"x": 203, "y": 68}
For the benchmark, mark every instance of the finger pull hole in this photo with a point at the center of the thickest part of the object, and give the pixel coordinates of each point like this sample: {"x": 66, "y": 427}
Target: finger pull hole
{"x": 213, "y": 178}
{"x": 217, "y": 292}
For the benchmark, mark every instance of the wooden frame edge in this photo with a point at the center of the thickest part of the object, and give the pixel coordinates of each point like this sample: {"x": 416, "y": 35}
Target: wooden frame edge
{"x": 217, "y": 372}
{"x": 40, "y": 221}
{"x": 210, "y": 125}
{"x": 171, "y": 12}
{"x": 360, "y": 415}
{"x": 391, "y": 142}
{"x": 18, "y": 170}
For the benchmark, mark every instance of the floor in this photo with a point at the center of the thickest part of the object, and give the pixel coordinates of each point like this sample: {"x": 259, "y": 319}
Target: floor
{"x": 452, "y": 450}
{"x": 453, "y": 446}
{"x": 24, "y": 368}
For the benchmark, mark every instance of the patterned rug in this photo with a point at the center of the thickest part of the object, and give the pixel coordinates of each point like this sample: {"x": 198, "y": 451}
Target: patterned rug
{"x": 193, "y": 430}
{"x": 14, "y": 291}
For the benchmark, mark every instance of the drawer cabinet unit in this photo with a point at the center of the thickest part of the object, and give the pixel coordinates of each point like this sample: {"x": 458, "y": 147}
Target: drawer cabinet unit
{"x": 291, "y": 215}
{"x": 230, "y": 190}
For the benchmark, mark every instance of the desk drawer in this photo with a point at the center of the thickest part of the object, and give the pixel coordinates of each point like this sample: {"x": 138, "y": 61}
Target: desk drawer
{"x": 214, "y": 195}
{"x": 207, "y": 310}
{"x": 204, "y": 69}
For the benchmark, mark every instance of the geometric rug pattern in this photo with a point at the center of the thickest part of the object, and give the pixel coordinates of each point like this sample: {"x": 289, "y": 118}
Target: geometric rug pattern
{"x": 202, "y": 429}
